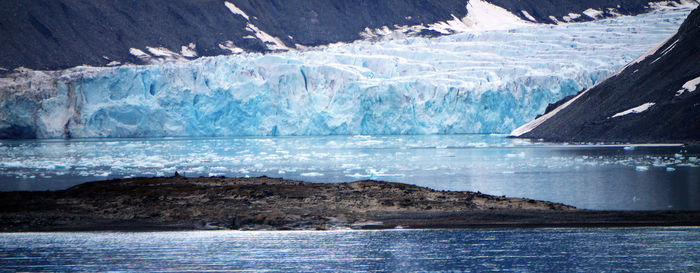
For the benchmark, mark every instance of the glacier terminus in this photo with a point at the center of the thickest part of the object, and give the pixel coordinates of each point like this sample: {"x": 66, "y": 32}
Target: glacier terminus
{"x": 453, "y": 84}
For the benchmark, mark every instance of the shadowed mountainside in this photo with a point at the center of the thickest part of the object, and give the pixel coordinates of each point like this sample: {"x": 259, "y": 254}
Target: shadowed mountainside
{"x": 57, "y": 34}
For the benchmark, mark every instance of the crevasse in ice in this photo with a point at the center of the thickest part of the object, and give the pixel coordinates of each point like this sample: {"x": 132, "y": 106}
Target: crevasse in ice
{"x": 475, "y": 82}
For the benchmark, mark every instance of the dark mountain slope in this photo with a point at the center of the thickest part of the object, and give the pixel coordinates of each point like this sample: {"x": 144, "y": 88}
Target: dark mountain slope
{"x": 541, "y": 10}
{"x": 598, "y": 114}
{"x": 56, "y": 34}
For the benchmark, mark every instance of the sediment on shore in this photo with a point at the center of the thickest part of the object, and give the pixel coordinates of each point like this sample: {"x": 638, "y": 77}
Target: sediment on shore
{"x": 263, "y": 203}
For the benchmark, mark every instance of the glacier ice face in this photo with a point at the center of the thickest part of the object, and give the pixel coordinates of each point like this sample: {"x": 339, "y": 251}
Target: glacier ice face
{"x": 473, "y": 82}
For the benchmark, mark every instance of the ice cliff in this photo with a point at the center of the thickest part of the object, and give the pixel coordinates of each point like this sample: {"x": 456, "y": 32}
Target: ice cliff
{"x": 473, "y": 82}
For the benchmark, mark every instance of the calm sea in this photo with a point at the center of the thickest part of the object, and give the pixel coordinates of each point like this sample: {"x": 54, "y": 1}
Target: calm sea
{"x": 619, "y": 177}
{"x": 513, "y": 250}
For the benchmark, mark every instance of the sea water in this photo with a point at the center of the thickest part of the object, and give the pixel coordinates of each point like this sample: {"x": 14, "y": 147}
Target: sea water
{"x": 510, "y": 250}
{"x": 618, "y": 177}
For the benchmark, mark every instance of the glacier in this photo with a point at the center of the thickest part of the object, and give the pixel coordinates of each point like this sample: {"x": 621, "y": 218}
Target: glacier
{"x": 472, "y": 82}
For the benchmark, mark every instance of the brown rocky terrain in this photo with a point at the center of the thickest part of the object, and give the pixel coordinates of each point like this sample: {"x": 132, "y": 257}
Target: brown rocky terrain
{"x": 268, "y": 203}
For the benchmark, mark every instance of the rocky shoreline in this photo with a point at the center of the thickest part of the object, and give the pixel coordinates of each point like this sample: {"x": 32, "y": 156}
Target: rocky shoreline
{"x": 263, "y": 203}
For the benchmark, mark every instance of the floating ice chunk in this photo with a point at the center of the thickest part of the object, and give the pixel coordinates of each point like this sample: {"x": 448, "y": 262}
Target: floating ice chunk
{"x": 218, "y": 169}
{"x": 311, "y": 174}
{"x": 629, "y": 148}
{"x": 520, "y": 154}
{"x": 114, "y": 63}
{"x": 641, "y": 168}
{"x": 199, "y": 169}
{"x": 236, "y": 10}
{"x": 635, "y": 110}
{"x": 670, "y": 169}
{"x": 358, "y": 175}
{"x": 12, "y": 164}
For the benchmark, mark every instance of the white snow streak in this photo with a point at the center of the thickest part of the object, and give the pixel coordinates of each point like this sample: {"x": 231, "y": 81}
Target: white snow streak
{"x": 139, "y": 54}
{"x": 528, "y": 16}
{"x": 272, "y": 43}
{"x": 236, "y": 10}
{"x": 635, "y": 110}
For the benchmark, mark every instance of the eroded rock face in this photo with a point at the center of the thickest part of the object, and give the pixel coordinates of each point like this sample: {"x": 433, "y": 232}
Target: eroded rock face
{"x": 241, "y": 203}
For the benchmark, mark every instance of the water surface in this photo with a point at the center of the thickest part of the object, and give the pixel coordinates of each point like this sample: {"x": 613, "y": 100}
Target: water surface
{"x": 519, "y": 250}
{"x": 586, "y": 176}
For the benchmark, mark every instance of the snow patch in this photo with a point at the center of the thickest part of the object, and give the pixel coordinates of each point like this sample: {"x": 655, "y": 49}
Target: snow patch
{"x": 236, "y": 10}
{"x": 528, "y": 16}
{"x": 593, "y": 13}
{"x": 164, "y": 53}
{"x": 189, "y": 51}
{"x": 689, "y": 86}
{"x": 641, "y": 168}
{"x": 571, "y": 16}
{"x": 482, "y": 15}
{"x": 272, "y": 43}
{"x": 635, "y": 110}
{"x": 228, "y": 45}
{"x": 139, "y": 54}
{"x": 671, "y": 5}
{"x": 554, "y": 19}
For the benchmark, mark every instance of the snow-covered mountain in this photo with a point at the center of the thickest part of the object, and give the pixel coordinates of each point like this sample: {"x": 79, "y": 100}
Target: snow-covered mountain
{"x": 655, "y": 98}
{"x": 58, "y": 34}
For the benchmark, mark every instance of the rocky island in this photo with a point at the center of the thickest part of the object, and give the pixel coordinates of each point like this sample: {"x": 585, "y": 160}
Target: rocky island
{"x": 263, "y": 203}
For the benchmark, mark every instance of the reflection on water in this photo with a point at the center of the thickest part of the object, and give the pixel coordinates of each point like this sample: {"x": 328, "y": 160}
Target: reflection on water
{"x": 586, "y": 176}
{"x": 520, "y": 250}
